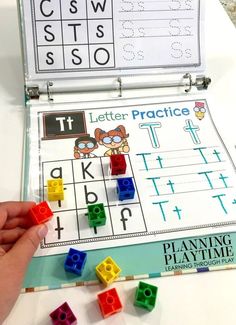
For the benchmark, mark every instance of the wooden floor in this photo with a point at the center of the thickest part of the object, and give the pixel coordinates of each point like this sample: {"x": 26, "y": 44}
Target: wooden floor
{"x": 230, "y": 7}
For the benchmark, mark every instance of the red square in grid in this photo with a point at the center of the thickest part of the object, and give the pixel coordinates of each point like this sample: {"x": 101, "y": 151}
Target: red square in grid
{"x": 109, "y": 302}
{"x": 40, "y": 213}
{"x": 117, "y": 164}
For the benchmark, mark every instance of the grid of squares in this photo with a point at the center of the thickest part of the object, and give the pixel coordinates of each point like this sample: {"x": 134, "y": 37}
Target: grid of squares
{"x": 89, "y": 181}
{"x": 73, "y": 35}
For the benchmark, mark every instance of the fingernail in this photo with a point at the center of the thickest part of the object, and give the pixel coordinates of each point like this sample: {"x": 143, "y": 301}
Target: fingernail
{"x": 42, "y": 231}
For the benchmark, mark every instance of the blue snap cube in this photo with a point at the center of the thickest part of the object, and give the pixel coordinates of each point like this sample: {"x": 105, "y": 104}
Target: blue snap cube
{"x": 125, "y": 188}
{"x": 75, "y": 261}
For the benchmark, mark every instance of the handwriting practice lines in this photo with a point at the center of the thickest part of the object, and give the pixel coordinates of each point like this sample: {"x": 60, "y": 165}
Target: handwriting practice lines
{"x": 158, "y": 33}
{"x": 184, "y": 182}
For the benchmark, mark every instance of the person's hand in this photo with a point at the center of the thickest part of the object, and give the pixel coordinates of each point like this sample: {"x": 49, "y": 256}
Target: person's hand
{"x": 125, "y": 146}
{"x": 18, "y": 243}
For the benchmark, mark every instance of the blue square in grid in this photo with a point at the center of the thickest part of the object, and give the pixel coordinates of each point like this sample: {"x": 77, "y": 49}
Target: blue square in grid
{"x": 75, "y": 261}
{"x": 125, "y": 188}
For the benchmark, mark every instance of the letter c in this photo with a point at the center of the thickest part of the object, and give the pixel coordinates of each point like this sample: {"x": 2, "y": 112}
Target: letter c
{"x": 177, "y": 112}
{"x": 159, "y": 113}
{"x": 42, "y": 11}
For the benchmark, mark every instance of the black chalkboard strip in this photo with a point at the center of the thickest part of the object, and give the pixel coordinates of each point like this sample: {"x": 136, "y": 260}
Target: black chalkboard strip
{"x": 63, "y": 125}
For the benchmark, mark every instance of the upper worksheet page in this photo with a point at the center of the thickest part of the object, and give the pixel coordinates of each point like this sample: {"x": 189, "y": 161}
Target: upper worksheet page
{"x": 94, "y": 38}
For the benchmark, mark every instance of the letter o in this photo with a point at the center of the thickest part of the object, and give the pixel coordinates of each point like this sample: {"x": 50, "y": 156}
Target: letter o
{"x": 96, "y": 54}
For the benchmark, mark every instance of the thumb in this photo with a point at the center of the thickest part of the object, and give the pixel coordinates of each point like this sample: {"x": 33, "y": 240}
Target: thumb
{"x": 24, "y": 249}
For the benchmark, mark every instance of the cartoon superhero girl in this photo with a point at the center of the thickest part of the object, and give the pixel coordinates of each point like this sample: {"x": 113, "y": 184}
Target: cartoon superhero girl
{"x": 115, "y": 140}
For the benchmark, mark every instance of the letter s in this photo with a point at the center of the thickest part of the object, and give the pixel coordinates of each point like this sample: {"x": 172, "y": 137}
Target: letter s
{"x": 49, "y": 39}
{"x": 73, "y": 9}
{"x": 129, "y": 53}
{"x": 50, "y": 59}
{"x": 73, "y": 52}
{"x": 100, "y": 33}
{"x": 177, "y": 52}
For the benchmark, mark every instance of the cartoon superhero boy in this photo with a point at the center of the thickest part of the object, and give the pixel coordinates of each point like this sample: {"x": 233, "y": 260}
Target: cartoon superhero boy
{"x": 84, "y": 146}
{"x": 199, "y": 110}
{"x": 115, "y": 140}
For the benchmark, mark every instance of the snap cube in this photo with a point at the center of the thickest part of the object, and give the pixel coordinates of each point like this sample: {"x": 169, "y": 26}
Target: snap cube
{"x": 107, "y": 271}
{"x": 55, "y": 189}
{"x": 117, "y": 164}
{"x": 125, "y": 188}
{"x": 145, "y": 296}
{"x": 63, "y": 315}
{"x": 96, "y": 215}
{"x": 75, "y": 261}
{"x": 40, "y": 213}
{"x": 109, "y": 302}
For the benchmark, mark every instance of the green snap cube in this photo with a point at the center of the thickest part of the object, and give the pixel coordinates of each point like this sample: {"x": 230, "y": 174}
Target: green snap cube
{"x": 145, "y": 296}
{"x": 96, "y": 215}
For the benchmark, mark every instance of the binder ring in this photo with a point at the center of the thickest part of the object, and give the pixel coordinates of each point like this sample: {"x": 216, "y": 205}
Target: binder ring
{"x": 189, "y": 77}
{"x": 49, "y": 84}
{"x": 119, "y": 86}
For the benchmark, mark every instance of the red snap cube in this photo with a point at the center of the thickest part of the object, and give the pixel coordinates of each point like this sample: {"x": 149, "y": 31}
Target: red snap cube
{"x": 40, "y": 213}
{"x": 117, "y": 164}
{"x": 109, "y": 302}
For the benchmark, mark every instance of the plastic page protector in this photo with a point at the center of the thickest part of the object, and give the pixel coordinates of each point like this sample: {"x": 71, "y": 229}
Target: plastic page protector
{"x": 182, "y": 175}
{"x": 89, "y": 38}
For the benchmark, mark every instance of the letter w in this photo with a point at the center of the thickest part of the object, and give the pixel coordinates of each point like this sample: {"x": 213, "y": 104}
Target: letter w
{"x": 99, "y": 5}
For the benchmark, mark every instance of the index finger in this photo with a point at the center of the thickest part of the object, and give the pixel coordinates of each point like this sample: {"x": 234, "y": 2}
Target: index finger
{"x": 12, "y": 209}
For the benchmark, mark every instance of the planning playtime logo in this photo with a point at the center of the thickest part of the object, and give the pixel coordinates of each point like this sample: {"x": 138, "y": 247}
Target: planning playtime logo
{"x": 198, "y": 252}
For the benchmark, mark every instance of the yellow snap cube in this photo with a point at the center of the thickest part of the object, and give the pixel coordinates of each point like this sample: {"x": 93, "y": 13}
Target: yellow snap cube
{"x": 107, "y": 271}
{"x": 55, "y": 189}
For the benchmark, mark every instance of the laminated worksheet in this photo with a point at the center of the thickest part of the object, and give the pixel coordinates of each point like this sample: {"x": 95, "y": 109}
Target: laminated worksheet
{"x": 183, "y": 175}
{"x": 85, "y": 38}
